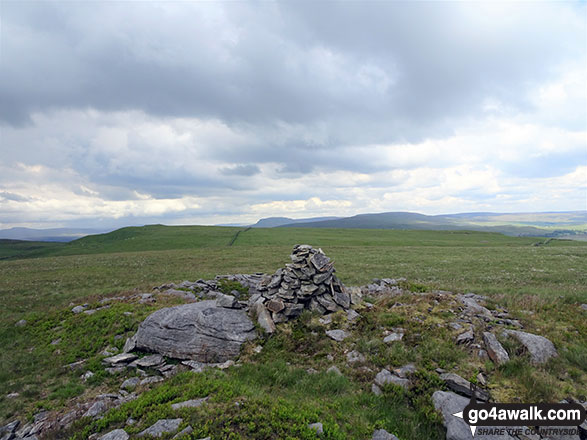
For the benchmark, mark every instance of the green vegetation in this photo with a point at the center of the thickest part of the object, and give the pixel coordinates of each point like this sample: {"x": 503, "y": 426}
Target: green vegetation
{"x": 540, "y": 285}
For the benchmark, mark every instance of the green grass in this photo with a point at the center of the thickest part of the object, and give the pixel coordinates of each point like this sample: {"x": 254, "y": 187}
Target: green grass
{"x": 39, "y": 282}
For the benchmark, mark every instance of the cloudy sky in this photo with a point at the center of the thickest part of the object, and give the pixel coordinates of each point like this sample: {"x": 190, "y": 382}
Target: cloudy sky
{"x": 123, "y": 112}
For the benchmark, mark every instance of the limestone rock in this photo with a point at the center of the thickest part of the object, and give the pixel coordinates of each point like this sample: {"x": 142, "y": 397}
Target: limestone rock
{"x": 354, "y": 357}
{"x": 382, "y": 434}
{"x": 120, "y": 359}
{"x": 163, "y": 426}
{"x": 194, "y": 403}
{"x": 540, "y": 348}
{"x": 462, "y": 386}
{"x": 495, "y": 350}
{"x": 317, "y": 427}
{"x": 385, "y": 376}
{"x": 199, "y": 331}
{"x": 117, "y": 434}
{"x": 449, "y": 403}
{"x": 337, "y": 335}
{"x": 264, "y": 318}
{"x": 131, "y": 383}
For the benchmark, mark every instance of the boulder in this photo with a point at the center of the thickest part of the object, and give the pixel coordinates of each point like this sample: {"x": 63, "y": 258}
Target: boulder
{"x": 199, "y": 331}
{"x": 448, "y": 404}
{"x": 163, "y": 426}
{"x": 264, "y": 318}
{"x": 193, "y": 403}
{"x": 540, "y": 348}
{"x": 117, "y": 434}
{"x": 382, "y": 434}
{"x": 495, "y": 350}
{"x": 337, "y": 335}
{"x": 462, "y": 386}
{"x": 385, "y": 376}
{"x": 317, "y": 427}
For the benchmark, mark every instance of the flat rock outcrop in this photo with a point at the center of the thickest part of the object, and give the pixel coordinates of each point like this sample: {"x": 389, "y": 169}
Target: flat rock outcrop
{"x": 200, "y": 331}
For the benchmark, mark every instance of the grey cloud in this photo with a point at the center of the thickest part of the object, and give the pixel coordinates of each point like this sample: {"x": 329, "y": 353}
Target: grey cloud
{"x": 349, "y": 64}
{"x": 12, "y": 196}
{"x": 241, "y": 170}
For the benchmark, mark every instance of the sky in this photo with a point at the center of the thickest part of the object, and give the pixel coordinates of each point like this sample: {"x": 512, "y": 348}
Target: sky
{"x": 200, "y": 112}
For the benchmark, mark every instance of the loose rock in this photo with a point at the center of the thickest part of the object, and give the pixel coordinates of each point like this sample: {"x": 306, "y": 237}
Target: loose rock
{"x": 317, "y": 427}
{"x": 337, "y": 335}
{"x": 161, "y": 427}
{"x": 382, "y": 434}
{"x": 540, "y": 348}
{"x": 117, "y": 434}
{"x": 462, "y": 386}
{"x": 194, "y": 403}
{"x": 385, "y": 376}
{"x": 495, "y": 350}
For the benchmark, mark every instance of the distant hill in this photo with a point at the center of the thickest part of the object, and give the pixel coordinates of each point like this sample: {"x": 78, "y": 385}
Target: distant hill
{"x": 56, "y": 234}
{"x": 547, "y": 224}
{"x": 272, "y": 222}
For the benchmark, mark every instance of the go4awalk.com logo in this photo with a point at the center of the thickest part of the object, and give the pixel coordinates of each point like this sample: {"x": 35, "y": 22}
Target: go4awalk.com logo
{"x": 545, "y": 419}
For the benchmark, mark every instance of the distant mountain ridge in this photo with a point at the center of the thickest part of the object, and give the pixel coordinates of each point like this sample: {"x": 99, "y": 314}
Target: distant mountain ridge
{"x": 54, "y": 234}
{"x": 571, "y": 224}
{"x": 272, "y": 222}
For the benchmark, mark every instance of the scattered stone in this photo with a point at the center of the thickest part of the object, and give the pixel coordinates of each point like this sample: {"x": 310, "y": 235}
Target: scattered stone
{"x": 385, "y": 376}
{"x": 185, "y": 431}
{"x": 466, "y": 337}
{"x": 227, "y": 301}
{"x": 99, "y": 407}
{"x": 482, "y": 380}
{"x": 326, "y": 320}
{"x": 473, "y": 307}
{"x": 151, "y": 379}
{"x": 376, "y": 390}
{"x": 264, "y": 318}
{"x": 130, "y": 383}
{"x": 130, "y": 344}
{"x": 405, "y": 370}
{"x": 109, "y": 351}
{"x": 334, "y": 369}
{"x": 21, "y": 323}
{"x": 258, "y": 349}
{"x": 130, "y": 421}
{"x": 90, "y": 312}
{"x": 382, "y": 434}
{"x": 10, "y": 428}
{"x": 317, "y": 427}
{"x": 163, "y": 426}
{"x": 12, "y": 395}
{"x": 117, "y": 434}
{"x": 455, "y": 326}
{"x": 275, "y": 305}
{"x": 495, "y": 350}
{"x": 583, "y": 306}
{"x": 311, "y": 371}
{"x": 354, "y": 357}
{"x": 120, "y": 359}
{"x": 86, "y": 376}
{"x": 352, "y": 316}
{"x": 449, "y": 403}
{"x": 337, "y": 335}
{"x": 194, "y": 403}
{"x": 152, "y": 360}
{"x": 392, "y": 337}
{"x": 78, "y": 309}
{"x": 115, "y": 370}
{"x": 462, "y": 386}
{"x": 540, "y": 348}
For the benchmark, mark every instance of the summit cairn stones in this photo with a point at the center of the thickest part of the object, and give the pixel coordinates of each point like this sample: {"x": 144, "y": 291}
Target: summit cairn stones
{"x": 308, "y": 282}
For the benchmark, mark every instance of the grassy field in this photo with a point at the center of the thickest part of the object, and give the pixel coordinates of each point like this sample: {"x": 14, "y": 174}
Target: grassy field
{"x": 547, "y": 278}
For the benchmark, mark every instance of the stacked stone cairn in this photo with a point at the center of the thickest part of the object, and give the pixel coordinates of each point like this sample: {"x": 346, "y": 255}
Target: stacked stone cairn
{"x": 308, "y": 282}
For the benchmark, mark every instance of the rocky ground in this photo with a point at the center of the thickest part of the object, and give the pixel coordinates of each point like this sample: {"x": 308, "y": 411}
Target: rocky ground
{"x": 429, "y": 348}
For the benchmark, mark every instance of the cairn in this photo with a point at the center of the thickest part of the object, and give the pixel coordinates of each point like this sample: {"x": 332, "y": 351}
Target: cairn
{"x": 308, "y": 282}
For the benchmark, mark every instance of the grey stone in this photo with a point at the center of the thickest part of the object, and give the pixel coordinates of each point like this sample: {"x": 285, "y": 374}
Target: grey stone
{"x": 99, "y": 407}
{"x": 382, "y": 434}
{"x": 194, "y": 403}
{"x": 584, "y": 307}
{"x": 337, "y": 335}
{"x": 130, "y": 383}
{"x": 449, "y": 403}
{"x": 130, "y": 344}
{"x": 179, "y": 293}
{"x": 275, "y": 305}
{"x": 466, "y": 337}
{"x": 10, "y": 427}
{"x": 151, "y": 379}
{"x": 352, "y": 316}
{"x": 227, "y": 301}
{"x": 152, "y": 360}
{"x": 117, "y": 434}
{"x": 317, "y": 427}
{"x": 343, "y": 299}
{"x": 327, "y": 302}
{"x": 163, "y": 426}
{"x": 320, "y": 278}
{"x": 540, "y": 348}
{"x": 495, "y": 350}
{"x": 405, "y": 370}
{"x": 199, "y": 331}
{"x": 474, "y": 308}
{"x": 354, "y": 357}
{"x": 187, "y": 430}
{"x": 320, "y": 262}
{"x": 120, "y": 359}
{"x": 264, "y": 318}
{"x": 462, "y": 386}
{"x": 308, "y": 289}
{"x": 334, "y": 369}
{"x": 21, "y": 323}
{"x": 393, "y": 337}
{"x": 376, "y": 390}
{"x": 384, "y": 377}
{"x": 78, "y": 309}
